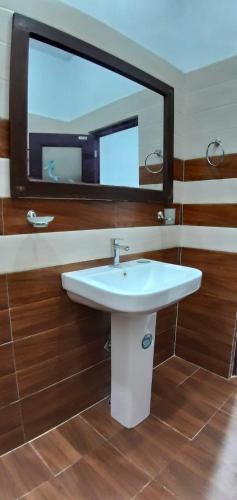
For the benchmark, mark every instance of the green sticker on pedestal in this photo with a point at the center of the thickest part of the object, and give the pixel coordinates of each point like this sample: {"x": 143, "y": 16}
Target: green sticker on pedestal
{"x": 146, "y": 341}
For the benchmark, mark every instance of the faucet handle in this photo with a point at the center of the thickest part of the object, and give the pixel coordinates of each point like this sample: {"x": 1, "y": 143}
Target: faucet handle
{"x": 115, "y": 241}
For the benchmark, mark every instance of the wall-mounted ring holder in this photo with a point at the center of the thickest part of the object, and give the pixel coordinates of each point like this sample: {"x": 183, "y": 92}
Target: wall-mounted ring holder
{"x": 215, "y": 144}
{"x": 157, "y": 153}
{"x": 36, "y": 221}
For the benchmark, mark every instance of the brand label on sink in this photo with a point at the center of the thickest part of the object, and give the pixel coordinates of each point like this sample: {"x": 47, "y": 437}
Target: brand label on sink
{"x": 146, "y": 341}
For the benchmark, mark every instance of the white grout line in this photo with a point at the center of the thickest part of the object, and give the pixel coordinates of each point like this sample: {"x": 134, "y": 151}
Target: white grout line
{"x": 163, "y": 362}
{"x": 207, "y": 422}
{"x": 68, "y": 466}
{"x": 176, "y": 327}
{"x": 234, "y": 347}
{"x": 41, "y": 459}
{"x": 129, "y": 459}
{"x": 94, "y": 404}
{"x": 65, "y": 421}
{"x": 32, "y": 491}
{"x": 63, "y": 380}
{"x": 170, "y": 427}
{"x": 206, "y": 370}
{"x": 94, "y": 429}
{"x": 50, "y": 330}
{"x": 51, "y": 428}
{"x": 186, "y": 378}
{"x": 142, "y": 489}
{"x": 14, "y": 362}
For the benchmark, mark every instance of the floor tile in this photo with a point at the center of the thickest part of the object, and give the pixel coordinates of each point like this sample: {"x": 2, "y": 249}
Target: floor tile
{"x": 186, "y": 415}
{"x": 195, "y": 475}
{"x": 208, "y": 387}
{"x": 219, "y": 439}
{"x": 67, "y": 443}
{"x": 99, "y": 417}
{"x": 103, "y": 474}
{"x": 47, "y": 491}
{"x": 115, "y": 468}
{"x": 20, "y": 472}
{"x": 170, "y": 374}
{"x": 207, "y": 468}
{"x": 231, "y": 405}
{"x": 150, "y": 445}
{"x": 155, "y": 491}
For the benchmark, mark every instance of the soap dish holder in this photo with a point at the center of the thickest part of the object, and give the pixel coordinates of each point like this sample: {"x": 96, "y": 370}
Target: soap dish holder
{"x": 36, "y": 221}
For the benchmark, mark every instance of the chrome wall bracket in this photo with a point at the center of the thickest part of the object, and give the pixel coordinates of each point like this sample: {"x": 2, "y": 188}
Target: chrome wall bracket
{"x": 167, "y": 216}
{"x": 36, "y": 221}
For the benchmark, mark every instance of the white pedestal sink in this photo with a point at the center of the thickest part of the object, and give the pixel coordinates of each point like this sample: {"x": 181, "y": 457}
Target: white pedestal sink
{"x": 132, "y": 292}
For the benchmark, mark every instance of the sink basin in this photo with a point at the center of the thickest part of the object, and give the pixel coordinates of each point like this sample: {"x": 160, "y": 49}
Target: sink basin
{"x": 139, "y": 286}
{"x": 133, "y": 292}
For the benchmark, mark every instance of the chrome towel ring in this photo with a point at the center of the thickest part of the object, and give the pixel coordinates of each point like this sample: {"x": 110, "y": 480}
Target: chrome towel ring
{"x": 157, "y": 153}
{"x": 216, "y": 143}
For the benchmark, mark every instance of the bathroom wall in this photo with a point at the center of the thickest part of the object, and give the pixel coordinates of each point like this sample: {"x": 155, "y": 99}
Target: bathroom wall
{"x": 52, "y": 360}
{"x": 51, "y": 352}
{"x": 207, "y": 320}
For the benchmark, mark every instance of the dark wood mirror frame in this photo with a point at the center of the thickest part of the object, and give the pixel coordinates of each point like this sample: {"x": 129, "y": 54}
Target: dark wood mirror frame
{"x": 21, "y": 186}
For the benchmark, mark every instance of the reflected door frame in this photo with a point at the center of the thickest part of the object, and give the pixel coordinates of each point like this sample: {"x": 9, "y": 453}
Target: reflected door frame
{"x": 89, "y": 144}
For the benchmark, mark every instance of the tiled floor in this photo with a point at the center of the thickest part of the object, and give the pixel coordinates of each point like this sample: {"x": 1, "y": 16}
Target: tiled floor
{"x": 186, "y": 449}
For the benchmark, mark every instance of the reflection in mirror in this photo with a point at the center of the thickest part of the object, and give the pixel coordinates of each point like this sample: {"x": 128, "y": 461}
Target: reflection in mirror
{"x": 87, "y": 124}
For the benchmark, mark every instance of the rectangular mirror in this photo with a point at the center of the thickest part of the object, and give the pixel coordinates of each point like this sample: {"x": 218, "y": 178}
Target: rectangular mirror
{"x": 85, "y": 124}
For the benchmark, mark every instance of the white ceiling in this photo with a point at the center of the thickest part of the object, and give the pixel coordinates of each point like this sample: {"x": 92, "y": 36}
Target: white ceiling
{"x": 189, "y": 34}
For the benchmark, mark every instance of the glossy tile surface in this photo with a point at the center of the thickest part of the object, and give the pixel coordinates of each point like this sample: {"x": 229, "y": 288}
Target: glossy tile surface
{"x": 52, "y": 357}
{"x": 185, "y": 450}
{"x": 65, "y": 445}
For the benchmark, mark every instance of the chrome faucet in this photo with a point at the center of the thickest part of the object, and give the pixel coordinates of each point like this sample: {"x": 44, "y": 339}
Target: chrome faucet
{"x": 116, "y": 248}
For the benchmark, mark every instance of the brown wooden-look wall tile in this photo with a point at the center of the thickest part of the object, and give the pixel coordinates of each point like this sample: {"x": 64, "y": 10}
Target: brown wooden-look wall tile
{"x": 221, "y": 215}
{"x": 41, "y": 316}
{"x": 49, "y": 407}
{"x": 131, "y": 214}
{"x": 205, "y": 332}
{"x": 170, "y": 255}
{"x": 4, "y": 139}
{"x": 202, "y": 351}
{"x": 219, "y": 271}
{"x": 3, "y": 292}
{"x": 11, "y": 430}
{"x": 8, "y": 387}
{"x": 178, "y": 173}
{"x": 197, "y": 169}
{"x": 208, "y": 315}
{"x": 207, "y": 319}
{"x": 5, "y": 328}
{"x": 70, "y": 215}
{"x": 164, "y": 346}
{"x": 45, "y": 283}
{"x": 47, "y": 358}
{"x": 166, "y": 319}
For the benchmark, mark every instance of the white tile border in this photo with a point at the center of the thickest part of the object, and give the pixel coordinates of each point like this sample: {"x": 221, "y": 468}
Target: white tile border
{"x": 34, "y": 251}
{"x": 4, "y": 178}
{"x": 209, "y": 191}
{"x": 223, "y": 239}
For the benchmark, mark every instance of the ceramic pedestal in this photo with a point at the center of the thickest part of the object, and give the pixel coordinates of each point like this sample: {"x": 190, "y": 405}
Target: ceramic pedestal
{"x": 132, "y": 351}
